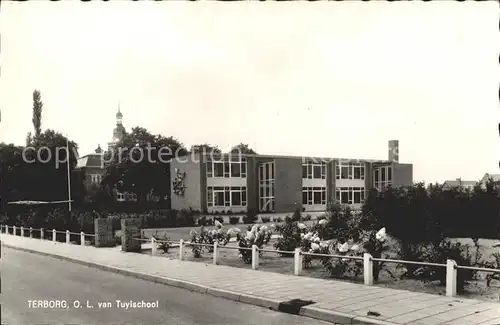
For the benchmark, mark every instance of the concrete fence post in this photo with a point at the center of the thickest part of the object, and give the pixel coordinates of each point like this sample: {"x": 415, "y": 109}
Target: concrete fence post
{"x": 22, "y": 231}
{"x": 297, "y": 261}
{"x": 14, "y": 230}
{"x": 451, "y": 278}
{"x": 82, "y": 238}
{"x": 68, "y": 237}
{"x": 103, "y": 230}
{"x": 368, "y": 269}
{"x": 216, "y": 254}
{"x": 255, "y": 257}
{"x": 53, "y": 235}
{"x": 153, "y": 246}
{"x": 31, "y": 232}
{"x": 131, "y": 235}
{"x": 181, "y": 249}
{"x": 42, "y": 235}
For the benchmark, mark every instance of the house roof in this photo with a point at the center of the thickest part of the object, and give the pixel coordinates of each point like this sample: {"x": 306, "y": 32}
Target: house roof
{"x": 494, "y": 177}
{"x": 92, "y": 160}
{"x": 456, "y": 183}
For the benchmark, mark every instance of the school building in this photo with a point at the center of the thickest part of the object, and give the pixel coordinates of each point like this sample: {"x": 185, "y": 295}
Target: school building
{"x": 238, "y": 183}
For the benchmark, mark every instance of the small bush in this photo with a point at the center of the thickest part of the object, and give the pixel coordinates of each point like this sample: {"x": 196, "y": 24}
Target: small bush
{"x": 439, "y": 254}
{"x": 208, "y": 237}
{"x": 202, "y": 221}
{"x": 234, "y": 220}
{"x": 220, "y": 219}
{"x": 277, "y": 219}
{"x": 164, "y": 244}
{"x": 493, "y": 263}
{"x": 250, "y": 217}
{"x": 256, "y": 235}
{"x": 265, "y": 219}
{"x": 307, "y": 218}
{"x": 290, "y": 237}
{"x": 185, "y": 218}
{"x": 296, "y": 215}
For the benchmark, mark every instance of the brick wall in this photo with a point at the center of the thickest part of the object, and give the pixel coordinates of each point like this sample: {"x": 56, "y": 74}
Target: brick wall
{"x": 131, "y": 228}
{"x": 103, "y": 229}
{"x": 288, "y": 184}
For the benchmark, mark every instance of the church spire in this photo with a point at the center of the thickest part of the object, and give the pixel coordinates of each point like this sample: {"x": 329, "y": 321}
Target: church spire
{"x": 119, "y": 116}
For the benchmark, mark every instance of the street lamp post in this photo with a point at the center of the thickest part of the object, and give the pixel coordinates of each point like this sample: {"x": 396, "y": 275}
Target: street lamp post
{"x": 69, "y": 175}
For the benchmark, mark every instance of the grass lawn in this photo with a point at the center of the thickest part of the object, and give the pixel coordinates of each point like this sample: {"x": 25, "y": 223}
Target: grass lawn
{"x": 272, "y": 262}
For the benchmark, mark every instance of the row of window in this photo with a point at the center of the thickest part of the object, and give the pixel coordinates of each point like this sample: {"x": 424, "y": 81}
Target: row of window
{"x": 237, "y": 196}
{"x": 226, "y": 196}
{"x": 350, "y": 195}
{"x": 227, "y": 168}
{"x": 312, "y": 170}
{"x": 350, "y": 171}
{"x": 122, "y": 197}
{"x": 314, "y": 195}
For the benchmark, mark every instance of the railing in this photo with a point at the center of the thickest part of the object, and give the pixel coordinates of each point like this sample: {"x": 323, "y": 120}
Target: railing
{"x": 368, "y": 260}
{"x": 45, "y": 234}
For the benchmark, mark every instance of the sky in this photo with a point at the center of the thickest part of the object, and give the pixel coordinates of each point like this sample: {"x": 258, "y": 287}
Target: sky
{"x": 331, "y": 79}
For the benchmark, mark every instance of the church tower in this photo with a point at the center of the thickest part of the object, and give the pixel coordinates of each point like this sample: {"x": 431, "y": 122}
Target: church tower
{"x": 118, "y": 131}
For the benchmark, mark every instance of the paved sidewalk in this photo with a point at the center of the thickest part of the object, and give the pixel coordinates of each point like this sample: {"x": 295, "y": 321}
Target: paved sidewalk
{"x": 335, "y": 301}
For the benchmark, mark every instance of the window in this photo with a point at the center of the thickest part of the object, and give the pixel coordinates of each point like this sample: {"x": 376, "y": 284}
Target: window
{"x": 350, "y": 195}
{"x": 314, "y": 195}
{"x": 132, "y": 197}
{"x": 219, "y": 198}
{"x": 235, "y": 198}
{"x": 382, "y": 177}
{"x": 266, "y": 186}
{"x": 120, "y": 196}
{"x": 210, "y": 197}
{"x": 96, "y": 178}
{"x": 210, "y": 166}
{"x": 226, "y": 196}
{"x": 314, "y": 170}
{"x": 344, "y": 172}
{"x": 218, "y": 169}
{"x": 227, "y": 167}
{"x": 235, "y": 169}
{"x": 350, "y": 171}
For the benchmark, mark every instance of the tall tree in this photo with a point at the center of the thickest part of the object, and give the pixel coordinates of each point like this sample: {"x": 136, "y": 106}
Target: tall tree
{"x": 37, "y": 113}
{"x": 207, "y": 148}
{"x": 243, "y": 148}
{"x": 45, "y": 168}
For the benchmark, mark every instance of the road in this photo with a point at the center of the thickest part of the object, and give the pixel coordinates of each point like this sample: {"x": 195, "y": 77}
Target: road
{"x": 26, "y": 276}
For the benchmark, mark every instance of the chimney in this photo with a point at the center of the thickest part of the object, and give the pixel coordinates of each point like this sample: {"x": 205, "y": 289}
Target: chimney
{"x": 394, "y": 151}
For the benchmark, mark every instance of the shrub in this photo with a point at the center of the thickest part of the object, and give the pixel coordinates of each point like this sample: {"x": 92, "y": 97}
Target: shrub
{"x": 439, "y": 254}
{"x": 185, "y": 218}
{"x": 250, "y": 218}
{"x": 296, "y": 215}
{"x": 265, "y": 219}
{"x": 202, "y": 221}
{"x": 234, "y": 220}
{"x": 220, "y": 219}
{"x": 277, "y": 219}
{"x": 256, "y": 235}
{"x": 208, "y": 237}
{"x": 290, "y": 237}
{"x": 163, "y": 244}
{"x": 307, "y": 218}
{"x": 493, "y": 263}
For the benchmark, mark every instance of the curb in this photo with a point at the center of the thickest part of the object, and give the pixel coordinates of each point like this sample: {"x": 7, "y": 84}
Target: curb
{"x": 306, "y": 311}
